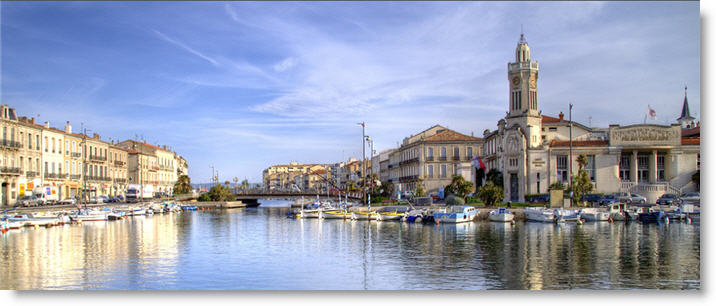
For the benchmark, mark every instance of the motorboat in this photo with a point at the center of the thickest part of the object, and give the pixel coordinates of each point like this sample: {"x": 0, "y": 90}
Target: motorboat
{"x": 617, "y": 212}
{"x": 594, "y": 215}
{"x": 364, "y": 215}
{"x": 567, "y": 215}
{"x": 652, "y": 216}
{"x": 188, "y": 207}
{"x": 90, "y": 215}
{"x": 539, "y": 214}
{"x": 414, "y": 216}
{"x": 501, "y": 215}
{"x": 455, "y": 214}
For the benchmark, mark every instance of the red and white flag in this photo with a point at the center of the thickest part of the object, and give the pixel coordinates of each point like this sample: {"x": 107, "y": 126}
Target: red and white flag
{"x": 652, "y": 113}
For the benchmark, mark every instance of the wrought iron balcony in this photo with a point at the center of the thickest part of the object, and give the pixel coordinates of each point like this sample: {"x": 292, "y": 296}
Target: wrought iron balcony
{"x": 409, "y": 161}
{"x": 97, "y": 158}
{"x": 10, "y": 144}
{"x": 76, "y": 155}
{"x": 429, "y": 158}
{"x": 55, "y": 175}
{"x": 98, "y": 178}
{"x": 31, "y": 174}
{"x": 9, "y": 170}
{"x": 119, "y": 163}
{"x": 75, "y": 177}
{"x": 456, "y": 158}
{"x": 120, "y": 180}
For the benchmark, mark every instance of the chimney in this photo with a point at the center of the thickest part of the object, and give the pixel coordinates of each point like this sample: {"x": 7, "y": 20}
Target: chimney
{"x": 164, "y": 147}
{"x": 32, "y": 120}
{"x": 95, "y": 136}
{"x": 47, "y": 124}
{"x": 561, "y": 116}
{"x": 68, "y": 128}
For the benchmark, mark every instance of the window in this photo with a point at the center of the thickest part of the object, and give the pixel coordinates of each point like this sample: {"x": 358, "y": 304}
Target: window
{"x": 553, "y": 129}
{"x": 46, "y": 144}
{"x": 67, "y": 147}
{"x": 454, "y": 169}
{"x": 625, "y": 168}
{"x": 443, "y": 170}
{"x": 456, "y": 153}
{"x": 590, "y": 167}
{"x": 47, "y": 170}
{"x": 67, "y": 166}
{"x": 562, "y": 171}
{"x": 643, "y": 167}
{"x": 538, "y": 181}
{"x": 53, "y": 145}
{"x": 660, "y": 160}
{"x": 469, "y": 152}
{"x": 29, "y": 141}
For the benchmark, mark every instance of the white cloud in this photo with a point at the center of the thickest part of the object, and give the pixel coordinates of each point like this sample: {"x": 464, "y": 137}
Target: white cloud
{"x": 284, "y": 64}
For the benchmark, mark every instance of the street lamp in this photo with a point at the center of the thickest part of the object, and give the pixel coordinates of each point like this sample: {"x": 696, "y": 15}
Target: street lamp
{"x": 362, "y": 124}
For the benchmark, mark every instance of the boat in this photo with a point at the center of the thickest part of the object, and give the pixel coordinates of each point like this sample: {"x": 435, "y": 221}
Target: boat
{"x": 334, "y": 214}
{"x": 188, "y": 207}
{"x": 652, "y": 216}
{"x": 594, "y": 215}
{"x": 89, "y": 215}
{"x": 390, "y": 215}
{"x": 501, "y": 215}
{"x": 617, "y": 212}
{"x": 455, "y": 214}
{"x": 539, "y": 214}
{"x": 364, "y": 215}
{"x": 414, "y": 216}
{"x": 567, "y": 215}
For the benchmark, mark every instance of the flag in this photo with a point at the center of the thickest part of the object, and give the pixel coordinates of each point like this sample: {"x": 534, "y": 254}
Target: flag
{"x": 652, "y": 113}
{"x": 477, "y": 163}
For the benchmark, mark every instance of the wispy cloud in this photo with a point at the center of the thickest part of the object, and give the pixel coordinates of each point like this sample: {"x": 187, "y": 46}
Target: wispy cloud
{"x": 187, "y": 48}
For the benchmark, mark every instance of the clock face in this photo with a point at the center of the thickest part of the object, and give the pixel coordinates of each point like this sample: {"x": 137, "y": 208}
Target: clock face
{"x": 533, "y": 80}
{"x": 516, "y": 81}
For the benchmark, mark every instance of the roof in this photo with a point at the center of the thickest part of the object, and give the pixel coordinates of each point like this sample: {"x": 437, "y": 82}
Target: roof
{"x": 579, "y": 143}
{"x": 691, "y": 140}
{"x": 548, "y": 119}
{"x": 450, "y": 135}
{"x": 696, "y": 131}
{"x": 685, "y": 114}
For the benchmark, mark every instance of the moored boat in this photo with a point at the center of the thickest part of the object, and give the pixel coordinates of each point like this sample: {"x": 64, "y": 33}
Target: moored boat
{"x": 539, "y": 214}
{"x": 334, "y": 214}
{"x": 364, "y": 215}
{"x": 455, "y": 214}
{"x": 501, "y": 215}
{"x": 594, "y": 215}
{"x": 567, "y": 215}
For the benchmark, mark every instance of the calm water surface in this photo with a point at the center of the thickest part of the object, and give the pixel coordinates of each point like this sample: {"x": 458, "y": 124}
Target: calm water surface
{"x": 262, "y": 249}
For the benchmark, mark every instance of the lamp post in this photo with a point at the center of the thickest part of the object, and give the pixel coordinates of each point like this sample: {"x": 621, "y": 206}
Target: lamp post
{"x": 571, "y": 200}
{"x": 362, "y": 124}
{"x": 211, "y": 180}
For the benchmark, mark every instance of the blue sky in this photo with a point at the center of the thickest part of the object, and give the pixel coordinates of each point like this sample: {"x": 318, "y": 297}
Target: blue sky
{"x": 243, "y": 85}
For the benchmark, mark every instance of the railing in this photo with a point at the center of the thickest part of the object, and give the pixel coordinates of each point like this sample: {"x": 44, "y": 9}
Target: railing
{"x": 55, "y": 175}
{"x": 456, "y": 157}
{"x": 9, "y": 170}
{"x": 408, "y": 178}
{"x": 119, "y": 163}
{"x": 442, "y": 158}
{"x": 76, "y": 177}
{"x": 76, "y": 155}
{"x": 120, "y": 180}
{"x": 429, "y": 176}
{"x": 97, "y": 158}
{"x": 524, "y": 65}
{"x": 429, "y": 158}
{"x": 10, "y": 144}
{"x": 409, "y": 161}
{"x": 97, "y": 178}
{"x": 31, "y": 174}
{"x": 469, "y": 157}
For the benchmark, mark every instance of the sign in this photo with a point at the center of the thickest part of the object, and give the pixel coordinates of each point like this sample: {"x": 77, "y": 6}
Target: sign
{"x": 645, "y": 134}
{"x": 22, "y": 189}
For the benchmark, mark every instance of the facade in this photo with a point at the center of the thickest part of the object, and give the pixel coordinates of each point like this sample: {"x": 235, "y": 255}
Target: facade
{"x": 533, "y": 150}
{"x": 153, "y": 165}
{"x": 96, "y": 180}
{"x": 10, "y": 170}
{"x": 72, "y": 156}
{"x": 53, "y": 159}
{"x": 289, "y": 176}
{"x": 434, "y": 155}
{"x": 118, "y": 170}
{"x": 30, "y": 157}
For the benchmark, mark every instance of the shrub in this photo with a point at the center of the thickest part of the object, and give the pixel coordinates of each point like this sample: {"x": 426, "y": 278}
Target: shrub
{"x": 556, "y": 186}
{"x": 204, "y": 197}
{"x": 454, "y": 200}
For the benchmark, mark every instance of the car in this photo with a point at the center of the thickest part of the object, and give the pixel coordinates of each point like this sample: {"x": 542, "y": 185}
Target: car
{"x": 119, "y": 198}
{"x": 667, "y": 199}
{"x": 95, "y": 200}
{"x": 636, "y": 198}
{"x": 542, "y": 198}
{"x": 68, "y": 201}
{"x": 591, "y": 198}
{"x": 623, "y": 197}
{"x": 28, "y": 201}
{"x": 609, "y": 199}
{"x": 691, "y": 198}
{"x": 105, "y": 199}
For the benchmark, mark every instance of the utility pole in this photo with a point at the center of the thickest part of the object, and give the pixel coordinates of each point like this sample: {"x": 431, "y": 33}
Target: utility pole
{"x": 211, "y": 181}
{"x": 571, "y": 201}
{"x": 84, "y": 165}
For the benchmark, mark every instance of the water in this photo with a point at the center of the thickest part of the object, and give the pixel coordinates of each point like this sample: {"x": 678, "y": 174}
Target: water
{"x": 262, "y": 249}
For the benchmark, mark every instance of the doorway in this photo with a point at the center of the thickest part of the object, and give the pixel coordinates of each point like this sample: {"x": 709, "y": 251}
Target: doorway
{"x": 514, "y": 187}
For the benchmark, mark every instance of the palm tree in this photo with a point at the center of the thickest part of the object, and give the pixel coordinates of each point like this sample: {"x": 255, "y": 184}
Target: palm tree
{"x": 183, "y": 184}
{"x": 581, "y": 161}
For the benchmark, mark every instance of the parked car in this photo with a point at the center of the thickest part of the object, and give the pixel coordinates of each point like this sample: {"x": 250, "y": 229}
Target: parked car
{"x": 68, "y": 201}
{"x": 542, "y": 198}
{"x": 119, "y": 198}
{"x": 592, "y": 198}
{"x": 636, "y": 198}
{"x": 105, "y": 199}
{"x": 95, "y": 200}
{"x": 691, "y": 198}
{"x": 28, "y": 201}
{"x": 609, "y": 199}
{"x": 667, "y": 199}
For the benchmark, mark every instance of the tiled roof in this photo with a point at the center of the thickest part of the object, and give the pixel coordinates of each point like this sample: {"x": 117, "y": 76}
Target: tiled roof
{"x": 450, "y": 135}
{"x": 579, "y": 143}
{"x": 691, "y": 132}
{"x": 691, "y": 140}
{"x": 548, "y": 119}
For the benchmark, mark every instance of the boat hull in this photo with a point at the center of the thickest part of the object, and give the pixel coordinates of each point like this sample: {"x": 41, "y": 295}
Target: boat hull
{"x": 389, "y": 217}
{"x": 363, "y": 216}
{"x": 506, "y": 217}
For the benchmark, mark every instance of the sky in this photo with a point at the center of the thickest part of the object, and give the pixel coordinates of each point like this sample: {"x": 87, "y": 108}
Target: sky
{"x": 243, "y": 85}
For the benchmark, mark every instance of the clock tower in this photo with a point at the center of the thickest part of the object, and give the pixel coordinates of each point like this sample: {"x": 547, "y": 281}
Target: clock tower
{"x": 522, "y": 75}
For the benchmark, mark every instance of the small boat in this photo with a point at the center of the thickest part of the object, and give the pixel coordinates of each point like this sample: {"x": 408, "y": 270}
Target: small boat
{"x": 188, "y": 207}
{"x": 334, "y": 214}
{"x": 617, "y": 212}
{"x": 455, "y": 214}
{"x": 539, "y": 214}
{"x": 501, "y": 215}
{"x": 652, "y": 216}
{"x": 592, "y": 214}
{"x": 566, "y": 215}
{"x": 364, "y": 215}
{"x": 414, "y": 216}
{"x": 89, "y": 215}
{"x": 389, "y": 216}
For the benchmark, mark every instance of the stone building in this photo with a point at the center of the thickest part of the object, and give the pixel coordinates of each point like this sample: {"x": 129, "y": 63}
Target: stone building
{"x": 10, "y": 145}
{"x": 532, "y": 150}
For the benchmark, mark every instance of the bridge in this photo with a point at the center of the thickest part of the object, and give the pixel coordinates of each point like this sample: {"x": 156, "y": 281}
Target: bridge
{"x": 253, "y": 197}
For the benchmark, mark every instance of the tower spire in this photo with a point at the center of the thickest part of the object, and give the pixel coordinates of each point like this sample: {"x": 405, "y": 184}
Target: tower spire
{"x": 685, "y": 119}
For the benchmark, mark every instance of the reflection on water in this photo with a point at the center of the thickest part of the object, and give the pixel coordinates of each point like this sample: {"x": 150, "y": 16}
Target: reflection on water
{"x": 262, "y": 249}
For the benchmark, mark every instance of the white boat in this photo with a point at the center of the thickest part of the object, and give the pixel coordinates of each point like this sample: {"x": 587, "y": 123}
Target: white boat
{"x": 364, "y": 215}
{"x": 334, "y": 214}
{"x": 501, "y": 215}
{"x": 566, "y": 215}
{"x": 539, "y": 214}
{"x": 90, "y": 215}
{"x": 414, "y": 215}
{"x": 455, "y": 214}
{"x": 617, "y": 212}
{"x": 308, "y": 213}
{"x": 594, "y": 215}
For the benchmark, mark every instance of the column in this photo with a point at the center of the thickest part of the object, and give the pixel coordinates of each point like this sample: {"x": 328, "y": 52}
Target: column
{"x": 652, "y": 167}
{"x": 634, "y": 167}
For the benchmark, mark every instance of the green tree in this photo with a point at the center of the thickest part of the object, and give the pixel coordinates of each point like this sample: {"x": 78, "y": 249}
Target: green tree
{"x": 245, "y": 184}
{"x": 581, "y": 185}
{"x": 696, "y": 178}
{"x": 220, "y": 193}
{"x": 454, "y": 200}
{"x": 479, "y": 176}
{"x": 490, "y": 194}
{"x": 459, "y": 187}
{"x": 183, "y": 185}
{"x": 495, "y": 176}
{"x": 558, "y": 185}
{"x": 420, "y": 190}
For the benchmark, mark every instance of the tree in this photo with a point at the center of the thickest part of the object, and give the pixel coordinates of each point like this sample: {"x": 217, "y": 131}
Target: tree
{"x": 183, "y": 185}
{"x": 245, "y": 184}
{"x": 696, "y": 178}
{"x": 581, "y": 185}
{"x": 558, "y": 185}
{"x": 490, "y": 193}
{"x": 220, "y": 193}
{"x": 387, "y": 189}
{"x": 495, "y": 176}
{"x": 581, "y": 161}
{"x": 420, "y": 190}
{"x": 459, "y": 187}
{"x": 479, "y": 176}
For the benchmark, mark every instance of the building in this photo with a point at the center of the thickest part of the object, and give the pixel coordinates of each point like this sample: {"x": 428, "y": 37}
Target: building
{"x": 118, "y": 170}
{"x": 30, "y": 157}
{"x": 532, "y": 150}
{"x": 289, "y": 176}
{"x": 10, "y": 170}
{"x": 72, "y": 156}
{"x": 433, "y": 155}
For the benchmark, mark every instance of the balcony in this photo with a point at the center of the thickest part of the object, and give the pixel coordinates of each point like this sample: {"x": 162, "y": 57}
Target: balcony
{"x": 429, "y": 158}
{"x": 119, "y": 163}
{"x": 9, "y": 170}
{"x": 120, "y": 180}
{"x": 456, "y": 158}
{"x": 98, "y": 178}
{"x": 10, "y": 144}
{"x": 97, "y": 158}
{"x": 409, "y": 178}
{"x": 442, "y": 158}
{"x": 75, "y": 177}
{"x": 76, "y": 155}
{"x": 31, "y": 174}
{"x": 57, "y": 176}
{"x": 409, "y": 161}
{"x": 469, "y": 157}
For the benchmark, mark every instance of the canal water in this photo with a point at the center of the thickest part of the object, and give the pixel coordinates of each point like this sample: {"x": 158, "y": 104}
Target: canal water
{"x": 260, "y": 248}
